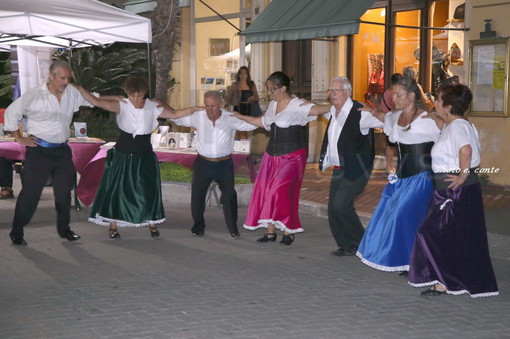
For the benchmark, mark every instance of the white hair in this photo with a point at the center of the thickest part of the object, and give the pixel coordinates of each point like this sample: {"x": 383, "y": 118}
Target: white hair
{"x": 345, "y": 81}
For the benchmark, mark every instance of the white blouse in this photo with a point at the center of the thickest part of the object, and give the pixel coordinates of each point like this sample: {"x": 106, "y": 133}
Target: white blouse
{"x": 293, "y": 114}
{"x": 138, "y": 121}
{"x": 422, "y": 129}
{"x": 455, "y": 135}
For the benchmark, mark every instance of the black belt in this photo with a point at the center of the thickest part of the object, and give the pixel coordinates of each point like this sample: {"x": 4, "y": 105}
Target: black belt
{"x": 226, "y": 157}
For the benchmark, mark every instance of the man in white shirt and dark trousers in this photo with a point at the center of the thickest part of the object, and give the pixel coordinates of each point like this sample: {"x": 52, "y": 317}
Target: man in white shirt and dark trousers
{"x": 348, "y": 146}
{"x": 216, "y": 129}
{"x": 49, "y": 110}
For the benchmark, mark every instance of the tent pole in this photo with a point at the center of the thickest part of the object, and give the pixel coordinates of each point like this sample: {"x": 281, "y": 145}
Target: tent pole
{"x": 149, "y": 69}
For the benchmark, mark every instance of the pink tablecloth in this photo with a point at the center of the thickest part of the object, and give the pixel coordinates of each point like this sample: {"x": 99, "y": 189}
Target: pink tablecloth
{"x": 82, "y": 152}
{"x": 93, "y": 171}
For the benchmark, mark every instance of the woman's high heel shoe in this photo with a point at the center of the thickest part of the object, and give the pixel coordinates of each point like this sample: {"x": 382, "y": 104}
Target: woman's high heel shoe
{"x": 287, "y": 239}
{"x": 114, "y": 234}
{"x": 267, "y": 237}
{"x": 154, "y": 231}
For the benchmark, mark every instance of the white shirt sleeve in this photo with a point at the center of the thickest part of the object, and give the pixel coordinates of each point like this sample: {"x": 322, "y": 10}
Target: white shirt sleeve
{"x": 241, "y": 125}
{"x": 368, "y": 121}
{"x": 15, "y": 111}
{"x": 78, "y": 99}
{"x": 185, "y": 121}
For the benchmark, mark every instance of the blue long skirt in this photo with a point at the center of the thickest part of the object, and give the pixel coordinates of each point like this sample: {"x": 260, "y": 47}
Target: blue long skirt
{"x": 390, "y": 234}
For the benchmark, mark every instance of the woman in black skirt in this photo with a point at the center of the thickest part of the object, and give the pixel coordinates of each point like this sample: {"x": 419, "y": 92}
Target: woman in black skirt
{"x": 451, "y": 252}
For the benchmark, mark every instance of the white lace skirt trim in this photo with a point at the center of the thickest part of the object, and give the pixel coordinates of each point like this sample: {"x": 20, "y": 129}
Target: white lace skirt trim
{"x": 263, "y": 223}
{"x": 102, "y": 221}
{"x": 381, "y": 267}
{"x": 478, "y": 295}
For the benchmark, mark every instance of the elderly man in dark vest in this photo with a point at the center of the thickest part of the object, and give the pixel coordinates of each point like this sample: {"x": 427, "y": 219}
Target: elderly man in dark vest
{"x": 348, "y": 146}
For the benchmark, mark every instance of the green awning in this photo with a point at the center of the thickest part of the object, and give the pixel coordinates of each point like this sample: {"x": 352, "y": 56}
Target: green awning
{"x": 306, "y": 19}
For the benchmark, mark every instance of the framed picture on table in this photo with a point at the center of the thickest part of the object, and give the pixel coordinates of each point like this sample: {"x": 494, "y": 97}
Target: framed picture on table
{"x": 488, "y": 78}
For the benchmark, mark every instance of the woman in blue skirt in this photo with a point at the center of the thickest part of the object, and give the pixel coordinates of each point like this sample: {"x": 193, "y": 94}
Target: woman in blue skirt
{"x": 129, "y": 193}
{"x": 451, "y": 252}
{"x": 389, "y": 237}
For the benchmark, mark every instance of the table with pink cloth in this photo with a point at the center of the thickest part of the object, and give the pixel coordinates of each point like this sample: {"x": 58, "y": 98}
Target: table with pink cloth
{"x": 83, "y": 150}
{"x": 93, "y": 171}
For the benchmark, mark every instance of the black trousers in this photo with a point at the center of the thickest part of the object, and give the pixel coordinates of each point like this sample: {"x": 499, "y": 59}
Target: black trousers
{"x": 6, "y": 172}
{"x": 343, "y": 220}
{"x": 204, "y": 172}
{"x": 40, "y": 163}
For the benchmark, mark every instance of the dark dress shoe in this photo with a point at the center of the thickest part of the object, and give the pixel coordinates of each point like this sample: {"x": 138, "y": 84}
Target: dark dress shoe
{"x": 235, "y": 234}
{"x": 432, "y": 292}
{"x": 70, "y": 235}
{"x": 267, "y": 237}
{"x": 198, "y": 233}
{"x": 341, "y": 252}
{"x": 287, "y": 239}
{"x": 19, "y": 241}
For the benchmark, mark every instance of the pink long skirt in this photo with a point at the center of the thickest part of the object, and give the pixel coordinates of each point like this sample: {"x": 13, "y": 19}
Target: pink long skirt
{"x": 275, "y": 196}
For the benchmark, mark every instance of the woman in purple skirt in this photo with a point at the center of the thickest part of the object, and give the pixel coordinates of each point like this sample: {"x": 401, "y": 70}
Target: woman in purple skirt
{"x": 451, "y": 252}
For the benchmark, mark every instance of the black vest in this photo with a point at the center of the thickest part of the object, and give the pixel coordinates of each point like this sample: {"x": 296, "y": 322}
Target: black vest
{"x": 286, "y": 140}
{"x": 356, "y": 151}
{"x": 139, "y": 145}
{"x": 414, "y": 159}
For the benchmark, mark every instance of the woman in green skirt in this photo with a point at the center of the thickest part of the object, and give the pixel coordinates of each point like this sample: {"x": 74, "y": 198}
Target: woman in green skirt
{"x": 129, "y": 193}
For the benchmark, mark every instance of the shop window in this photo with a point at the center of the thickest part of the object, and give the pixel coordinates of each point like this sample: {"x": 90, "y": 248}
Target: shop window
{"x": 407, "y": 40}
{"x": 368, "y": 58}
{"x": 447, "y": 45}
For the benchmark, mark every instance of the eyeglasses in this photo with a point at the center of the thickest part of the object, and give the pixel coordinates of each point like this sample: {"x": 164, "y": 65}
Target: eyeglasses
{"x": 272, "y": 90}
{"x": 335, "y": 90}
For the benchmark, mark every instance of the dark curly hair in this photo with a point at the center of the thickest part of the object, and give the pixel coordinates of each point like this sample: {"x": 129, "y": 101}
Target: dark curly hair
{"x": 250, "y": 83}
{"x": 280, "y": 79}
{"x": 459, "y": 97}
{"x": 411, "y": 86}
{"x": 136, "y": 84}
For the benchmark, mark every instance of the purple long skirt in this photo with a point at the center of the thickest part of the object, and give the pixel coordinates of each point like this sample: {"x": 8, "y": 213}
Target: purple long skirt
{"x": 451, "y": 245}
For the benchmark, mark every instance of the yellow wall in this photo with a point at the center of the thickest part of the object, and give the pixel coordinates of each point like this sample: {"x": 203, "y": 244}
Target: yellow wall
{"x": 223, "y": 7}
{"x": 494, "y": 136}
{"x": 213, "y": 66}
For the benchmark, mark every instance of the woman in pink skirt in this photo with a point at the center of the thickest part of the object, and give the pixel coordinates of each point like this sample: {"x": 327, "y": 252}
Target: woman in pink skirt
{"x": 274, "y": 202}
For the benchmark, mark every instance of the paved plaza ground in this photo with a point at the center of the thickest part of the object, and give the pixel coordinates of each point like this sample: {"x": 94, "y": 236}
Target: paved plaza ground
{"x": 179, "y": 286}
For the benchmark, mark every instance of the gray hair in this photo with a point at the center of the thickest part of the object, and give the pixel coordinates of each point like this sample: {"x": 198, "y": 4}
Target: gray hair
{"x": 345, "y": 81}
{"x": 409, "y": 72}
{"x": 59, "y": 64}
{"x": 214, "y": 94}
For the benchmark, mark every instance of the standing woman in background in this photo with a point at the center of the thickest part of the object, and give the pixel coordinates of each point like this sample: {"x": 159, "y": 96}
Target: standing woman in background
{"x": 241, "y": 94}
{"x": 274, "y": 202}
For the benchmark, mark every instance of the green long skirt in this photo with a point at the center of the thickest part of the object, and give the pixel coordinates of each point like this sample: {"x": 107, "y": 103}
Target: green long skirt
{"x": 129, "y": 192}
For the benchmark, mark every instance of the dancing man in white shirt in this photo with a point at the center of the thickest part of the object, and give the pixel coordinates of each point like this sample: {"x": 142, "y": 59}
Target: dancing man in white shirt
{"x": 216, "y": 130}
{"x": 349, "y": 147}
{"x": 49, "y": 109}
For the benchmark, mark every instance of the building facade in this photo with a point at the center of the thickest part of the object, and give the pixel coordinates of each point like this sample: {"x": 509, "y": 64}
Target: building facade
{"x": 436, "y": 37}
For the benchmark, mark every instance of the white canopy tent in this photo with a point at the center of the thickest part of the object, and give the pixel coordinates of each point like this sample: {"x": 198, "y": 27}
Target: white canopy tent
{"x": 45, "y": 24}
